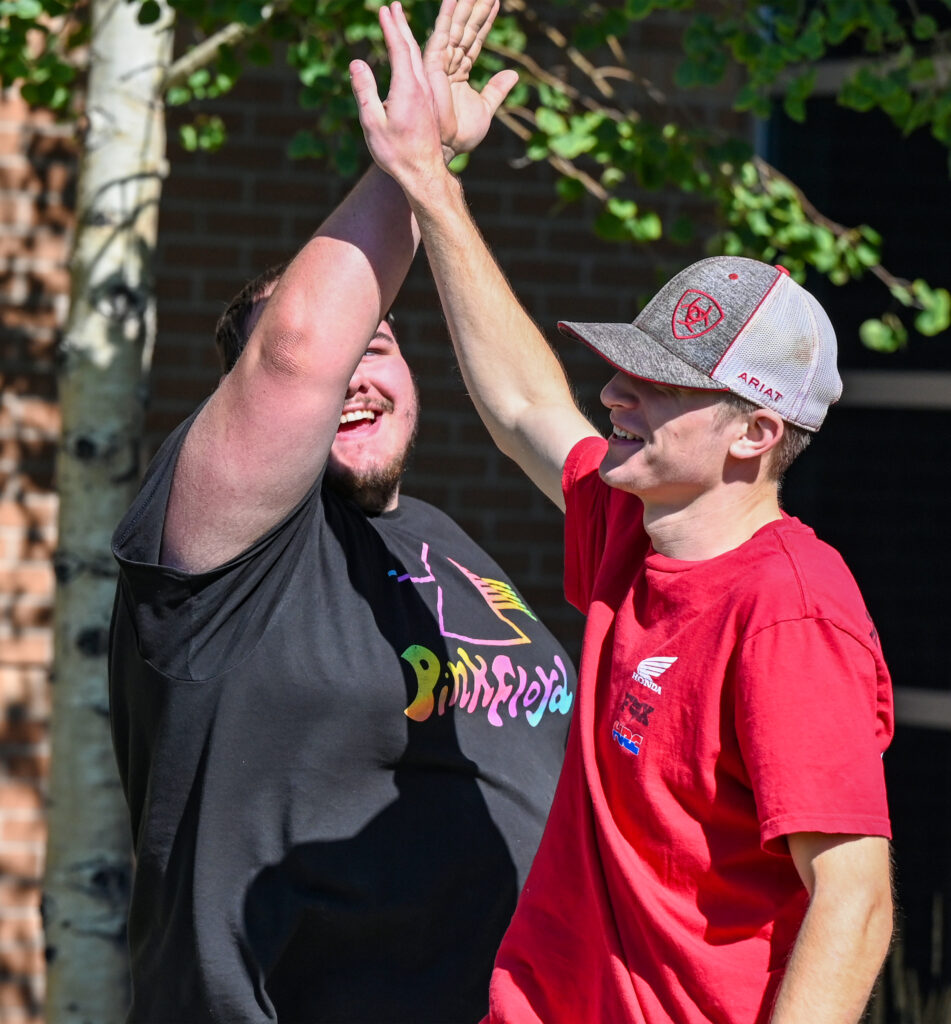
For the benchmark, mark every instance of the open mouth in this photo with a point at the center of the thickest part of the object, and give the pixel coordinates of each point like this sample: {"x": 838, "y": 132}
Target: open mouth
{"x": 356, "y": 419}
{"x": 625, "y": 435}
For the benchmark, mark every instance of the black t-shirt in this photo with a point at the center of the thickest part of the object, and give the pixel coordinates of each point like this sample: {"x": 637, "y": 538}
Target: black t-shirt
{"x": 339, "y": 750}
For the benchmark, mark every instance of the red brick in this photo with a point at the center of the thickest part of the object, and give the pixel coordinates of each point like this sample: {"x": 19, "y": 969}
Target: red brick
{"x": 25, "y": 615}
{"x": 22, "y": 961}
{"x": 19, "y": 795}
{"x": 41, "y": 246}
{"x": 39, "y": 415}
{"x": 20, "y": 901}
{"x": 21, "y": 863}
{"x": 26, "y": 579}
{"x": 22, "y": 830}
{"x": 24, "y": 732}
{"x": 31, "y": 544}
{"x": 16, "y": 995}
{"x": 193, "y": 189}
{"x": 26, "y": 648}
{"x": 203, "y": 256}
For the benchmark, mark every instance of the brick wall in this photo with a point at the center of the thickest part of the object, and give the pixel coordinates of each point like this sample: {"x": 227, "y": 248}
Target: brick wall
{"x": 224, "y": 218}
{"x": 36, "y": 177}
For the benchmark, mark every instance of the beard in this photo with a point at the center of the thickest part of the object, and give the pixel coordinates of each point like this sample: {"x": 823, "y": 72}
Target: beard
{"x": 373, "y": 489}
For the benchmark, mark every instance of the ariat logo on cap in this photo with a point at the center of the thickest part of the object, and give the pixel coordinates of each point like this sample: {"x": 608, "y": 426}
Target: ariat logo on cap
{"x": 696, "y": 313}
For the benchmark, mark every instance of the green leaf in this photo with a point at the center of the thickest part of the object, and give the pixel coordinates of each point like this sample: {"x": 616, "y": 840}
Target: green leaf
{"x": 550, "y": 121}
{"x": 304, "y": 145}
{"x": 459, "y": 163}
{"x": 27, "y": 10}
{"x": 883, "y": 337}
{"x": 867, "y": 255}
{"x": 924, "y": 27}
{"x": 795, "y": 108}
{"x": 648, "y": 227}
{"x": 570, "y": 189}
{"x": 188, "y": 136}
{"x": 936, "y": 316}
{"x": 638, "y": 9}
{"x": 199, "y": 79}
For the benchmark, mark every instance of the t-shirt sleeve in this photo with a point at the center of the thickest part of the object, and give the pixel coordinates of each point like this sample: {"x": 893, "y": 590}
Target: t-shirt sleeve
{"x": 194, "y": 625}
{"x": 813, "y": 718}
{"x": 586, "y": 507}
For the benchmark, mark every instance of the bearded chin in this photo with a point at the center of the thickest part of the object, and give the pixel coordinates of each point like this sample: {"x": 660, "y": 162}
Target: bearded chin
{"x": 372, "y": 490}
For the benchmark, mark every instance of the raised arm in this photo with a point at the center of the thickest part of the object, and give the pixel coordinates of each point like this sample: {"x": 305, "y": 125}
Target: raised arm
{"x": 514, "y": 378}
{"x": 265, "y": 434}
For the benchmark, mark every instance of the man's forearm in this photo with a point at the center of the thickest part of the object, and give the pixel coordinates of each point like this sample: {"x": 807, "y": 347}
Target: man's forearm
{"x": 513, "y": 377}
{"x": 505, "y": 360}
{"x": 842, "y": 942}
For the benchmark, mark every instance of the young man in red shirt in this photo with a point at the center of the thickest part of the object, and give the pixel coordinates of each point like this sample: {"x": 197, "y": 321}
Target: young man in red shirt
{"x": 718, "y": 845}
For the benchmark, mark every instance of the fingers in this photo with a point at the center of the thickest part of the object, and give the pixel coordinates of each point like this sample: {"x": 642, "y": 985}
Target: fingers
{"x": 366, "y": 94}
{"x": 458, "y": 27}
{"x": 479, "y": 16}
{"x": 483, "y": 30}
{"x": 497, "y": 88}
{"x": 439, "y": 40}
{"x": 401, "y": 47}
{"x": 442, "y": 52}
{"x": 406, "y": 33}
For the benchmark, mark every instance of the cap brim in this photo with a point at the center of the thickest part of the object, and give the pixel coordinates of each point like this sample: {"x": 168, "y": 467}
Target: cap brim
{"x": 629, "y": 349}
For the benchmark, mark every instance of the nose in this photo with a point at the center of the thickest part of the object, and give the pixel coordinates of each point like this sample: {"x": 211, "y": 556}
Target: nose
{"x": 618, "y": 391}
{"x": 358, "y": 382}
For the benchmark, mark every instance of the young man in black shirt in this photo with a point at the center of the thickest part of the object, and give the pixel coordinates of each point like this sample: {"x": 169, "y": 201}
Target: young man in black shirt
{"x": 337, "y": 723}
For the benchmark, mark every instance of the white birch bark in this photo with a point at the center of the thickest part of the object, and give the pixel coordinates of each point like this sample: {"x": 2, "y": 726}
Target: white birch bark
{"x": 104, "y": 360}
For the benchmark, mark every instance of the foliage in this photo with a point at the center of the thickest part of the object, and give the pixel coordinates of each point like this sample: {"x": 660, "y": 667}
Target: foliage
{"x": 609, "y": 131}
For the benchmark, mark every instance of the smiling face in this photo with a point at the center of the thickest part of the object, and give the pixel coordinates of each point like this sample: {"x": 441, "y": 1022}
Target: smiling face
{"x": 377, "y": 427}
{"x": 669, "y": 445}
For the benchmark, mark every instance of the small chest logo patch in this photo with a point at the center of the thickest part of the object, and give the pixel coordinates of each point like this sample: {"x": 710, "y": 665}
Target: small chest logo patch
{"x": 632, "y": 715}
{"x": 650, "y": 669}
{"x": 695, "y": 315}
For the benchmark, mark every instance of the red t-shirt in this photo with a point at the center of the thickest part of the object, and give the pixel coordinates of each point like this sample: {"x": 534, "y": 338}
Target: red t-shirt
{"x": 722, "y": 705}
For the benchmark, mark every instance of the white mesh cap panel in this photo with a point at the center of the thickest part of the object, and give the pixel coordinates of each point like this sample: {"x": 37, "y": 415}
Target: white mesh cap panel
{"x": 785, "y": 357}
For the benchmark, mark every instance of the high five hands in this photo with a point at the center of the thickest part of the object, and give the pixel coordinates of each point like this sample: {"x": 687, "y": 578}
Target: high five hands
{"x": 431, "y": 113}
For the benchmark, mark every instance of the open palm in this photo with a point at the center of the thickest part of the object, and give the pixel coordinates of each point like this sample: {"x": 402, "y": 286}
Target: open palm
{"x": 463, "y": 113}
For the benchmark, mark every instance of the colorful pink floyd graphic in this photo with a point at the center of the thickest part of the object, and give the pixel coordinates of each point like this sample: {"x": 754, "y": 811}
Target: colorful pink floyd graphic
{"x": 498, "y": 686}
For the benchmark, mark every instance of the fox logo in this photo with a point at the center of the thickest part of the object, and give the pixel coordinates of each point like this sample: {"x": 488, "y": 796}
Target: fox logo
{"x": 651, "y": 669}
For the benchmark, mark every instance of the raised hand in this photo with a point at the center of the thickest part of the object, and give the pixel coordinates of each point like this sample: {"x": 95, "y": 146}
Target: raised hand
{"x": 431, "y": 112}
{"x": 464, "y": 115}
{"x": 402, "y": 133}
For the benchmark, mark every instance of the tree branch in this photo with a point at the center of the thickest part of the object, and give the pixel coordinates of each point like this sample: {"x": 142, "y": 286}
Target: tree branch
{"x": 560, "y": 164}
{"x": 769, "y": 173}
{"x": 206, "y": 51}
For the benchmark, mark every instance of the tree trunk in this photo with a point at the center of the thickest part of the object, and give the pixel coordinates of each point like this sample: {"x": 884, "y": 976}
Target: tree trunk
{"x": 102, "y": 389}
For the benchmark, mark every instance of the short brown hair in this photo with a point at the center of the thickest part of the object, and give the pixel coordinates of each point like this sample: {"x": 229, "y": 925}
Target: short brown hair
{"x": 791, "y": 445}
{"x": 231, "y": 331}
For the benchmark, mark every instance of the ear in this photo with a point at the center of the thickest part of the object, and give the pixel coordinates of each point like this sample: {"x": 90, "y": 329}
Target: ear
{"x": 763, "y": 429}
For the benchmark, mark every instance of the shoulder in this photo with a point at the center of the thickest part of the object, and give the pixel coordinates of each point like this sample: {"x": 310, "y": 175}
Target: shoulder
{"x": 138, "y": 536}
{"x": 793, "y": 574}
{"x": 581, "y": 466}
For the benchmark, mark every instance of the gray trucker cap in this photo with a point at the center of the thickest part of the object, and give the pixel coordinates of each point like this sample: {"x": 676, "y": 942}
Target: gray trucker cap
{"x": 730, "y": 324}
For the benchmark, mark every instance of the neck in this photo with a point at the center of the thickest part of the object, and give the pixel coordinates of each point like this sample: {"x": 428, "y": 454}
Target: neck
{"x": 712, "y": 523}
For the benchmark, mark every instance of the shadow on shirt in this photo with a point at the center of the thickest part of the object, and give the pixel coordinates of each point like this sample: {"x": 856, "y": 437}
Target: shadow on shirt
{"x": 400, "y": 921}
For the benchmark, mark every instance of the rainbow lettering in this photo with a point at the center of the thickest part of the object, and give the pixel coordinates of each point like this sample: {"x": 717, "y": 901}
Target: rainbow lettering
{"x": 471, "y": 684}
